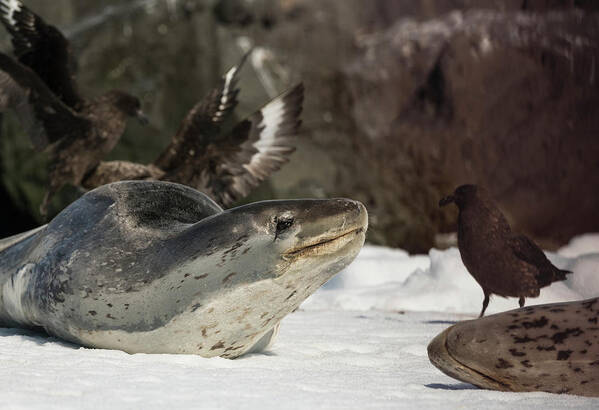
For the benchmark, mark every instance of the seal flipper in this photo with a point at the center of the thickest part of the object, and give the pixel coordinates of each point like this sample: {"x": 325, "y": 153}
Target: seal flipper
{"x": 265, "y": 341}
{"x": 11, "y": 240}
{"x": 155, "y": 204}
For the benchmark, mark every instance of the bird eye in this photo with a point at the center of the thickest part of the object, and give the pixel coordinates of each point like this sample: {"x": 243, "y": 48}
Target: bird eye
{"x": 283, "y": 223}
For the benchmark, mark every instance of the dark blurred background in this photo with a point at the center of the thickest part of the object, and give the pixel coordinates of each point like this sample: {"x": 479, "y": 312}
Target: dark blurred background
{"x": 405, "y": 100}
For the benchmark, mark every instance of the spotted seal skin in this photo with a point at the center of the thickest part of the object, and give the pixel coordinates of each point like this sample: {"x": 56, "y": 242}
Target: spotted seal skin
{"x": 552, "y": 348}
{"x": 157, "y": 267}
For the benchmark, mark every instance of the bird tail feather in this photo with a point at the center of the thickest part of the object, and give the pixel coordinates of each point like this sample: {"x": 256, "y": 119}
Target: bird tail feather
{"x": 561, "y": 274}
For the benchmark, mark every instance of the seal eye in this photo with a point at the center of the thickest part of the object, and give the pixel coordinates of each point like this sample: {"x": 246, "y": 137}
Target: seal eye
{"x": 283, "y": 223}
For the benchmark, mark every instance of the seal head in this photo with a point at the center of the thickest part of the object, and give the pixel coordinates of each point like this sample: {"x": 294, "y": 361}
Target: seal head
{"x": 551, "y": 348}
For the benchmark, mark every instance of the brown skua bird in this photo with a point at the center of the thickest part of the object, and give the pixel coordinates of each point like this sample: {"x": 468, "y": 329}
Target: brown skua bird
{"x": 502, "y": 262}
{"x": 40, "y": 87}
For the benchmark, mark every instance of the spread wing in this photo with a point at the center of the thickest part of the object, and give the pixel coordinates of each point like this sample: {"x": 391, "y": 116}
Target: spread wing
{"x": 226, "y": 169}
{"x": 256, "y": 148}
{"x": 49, "y": 117}
{"x": 13, "y": 96}
{"x": 42, "y": 48}
{"x": 203, "y": 122}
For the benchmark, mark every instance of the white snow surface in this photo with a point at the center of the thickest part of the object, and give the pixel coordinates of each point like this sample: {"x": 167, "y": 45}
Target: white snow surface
{"x": 359, "y": 342}
{"x": 392, "y": 280}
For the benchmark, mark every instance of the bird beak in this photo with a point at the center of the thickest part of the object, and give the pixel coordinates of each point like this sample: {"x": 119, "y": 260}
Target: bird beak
{"x": 447, "y": 200}
{"x": 142, "y": 117}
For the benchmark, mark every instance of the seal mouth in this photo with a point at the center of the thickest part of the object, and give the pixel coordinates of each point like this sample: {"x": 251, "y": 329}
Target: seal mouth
{"x": 327, "y": 245}
{"x": 442, "y": 359}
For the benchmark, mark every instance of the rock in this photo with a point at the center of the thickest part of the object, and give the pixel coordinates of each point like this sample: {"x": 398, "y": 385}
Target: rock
{"x": 404, "y": 99}
{"x": 505, "y": 100}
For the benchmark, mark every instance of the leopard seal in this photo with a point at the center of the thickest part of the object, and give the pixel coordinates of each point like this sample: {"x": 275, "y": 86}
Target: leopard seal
{"x": 157, "y": 267}
{"x": 552, "y": 348}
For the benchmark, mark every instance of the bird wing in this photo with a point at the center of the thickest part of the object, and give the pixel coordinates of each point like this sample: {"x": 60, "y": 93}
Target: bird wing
{"x": 42, "y": 48}
{"x": 204, "y": 119}
{"x": 13, "y": 96}
{"x": 527, "y": 250}
{"x": 50, "y": 118}
{"x": 256, "y": 148}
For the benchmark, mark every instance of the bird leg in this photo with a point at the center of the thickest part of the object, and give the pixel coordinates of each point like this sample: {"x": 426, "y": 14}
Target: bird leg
{"x": 521, "y": 301}
{"x": 485, "y": 304}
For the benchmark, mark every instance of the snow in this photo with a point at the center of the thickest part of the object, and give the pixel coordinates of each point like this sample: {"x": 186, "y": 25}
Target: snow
{"x": 359, "y": 342}
{"x": 322, "y": 359}
{"x": 581, "y": 245}
{"x": 392, "y": 280}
